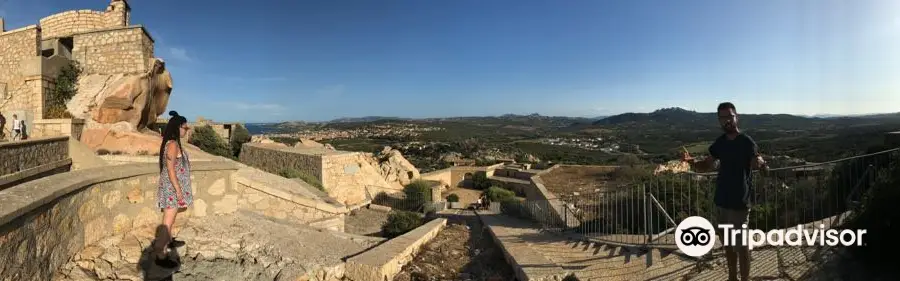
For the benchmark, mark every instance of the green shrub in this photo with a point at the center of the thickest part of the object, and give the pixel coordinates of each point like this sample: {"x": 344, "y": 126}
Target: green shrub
{"x": 453, "y": 198}
{"x": 400, "y": 222}
{"x": 292, "y": 173}
{"x": 239, "y": 136}
{"x": 514, "y": 207}
{"x": 480, "y": 181}
{"x": 65, "y": 88}
{"x": 418, "y": 191}
{"x": 496, "y": 194}
{"x": 207, "y": 140}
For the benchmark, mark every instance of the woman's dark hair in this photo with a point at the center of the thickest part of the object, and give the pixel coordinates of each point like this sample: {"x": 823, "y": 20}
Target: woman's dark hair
{"x": 172, "y": 132}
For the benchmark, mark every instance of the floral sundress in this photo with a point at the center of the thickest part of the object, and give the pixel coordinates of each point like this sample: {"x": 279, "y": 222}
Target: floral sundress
{"x": 165, "y": 197}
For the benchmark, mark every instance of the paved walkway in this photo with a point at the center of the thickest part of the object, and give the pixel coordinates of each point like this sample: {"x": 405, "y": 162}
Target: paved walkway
{"x": 537, "y": 255}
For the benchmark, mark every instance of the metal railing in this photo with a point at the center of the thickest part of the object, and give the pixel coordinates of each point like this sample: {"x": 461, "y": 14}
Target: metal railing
{"x": 645, "y": 211}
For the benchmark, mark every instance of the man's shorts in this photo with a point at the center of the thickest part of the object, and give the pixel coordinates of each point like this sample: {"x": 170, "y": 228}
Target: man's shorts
{"x": 736, "y": 218}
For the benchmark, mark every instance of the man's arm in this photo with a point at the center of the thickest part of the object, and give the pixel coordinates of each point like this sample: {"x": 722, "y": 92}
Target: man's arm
{"x": 706, "y": 164}
{"x": 757, "y": 162}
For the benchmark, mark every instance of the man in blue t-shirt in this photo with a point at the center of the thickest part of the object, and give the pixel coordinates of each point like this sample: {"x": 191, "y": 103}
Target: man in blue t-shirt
{"x": 736, "y": 155}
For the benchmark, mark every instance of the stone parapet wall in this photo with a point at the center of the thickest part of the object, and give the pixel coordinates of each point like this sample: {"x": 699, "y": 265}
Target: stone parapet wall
{"x": 458, "y": 175}
{"x": 445, "y": 176}
{"x": 62, "y": 213}
{"x": 120, "y": 50}
{"x": 69, "y": 23}
{"x": 549, "y": 203}
{"x": 58, "y": 127}
{"x": 274, "y": 159}
{"x": 270, "y": 201}
{"x": 72, "y": 22}
{"x": 386, "y": 260}
{"x": 334, "y": 223}
{"x": 22, "y": 155}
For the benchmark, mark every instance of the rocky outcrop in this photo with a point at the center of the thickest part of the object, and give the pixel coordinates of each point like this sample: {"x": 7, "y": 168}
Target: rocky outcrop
{"x": 118, "y": 108}
{"x": 308, "y": 143}
{"x": 265, "y": 140}
{"x": 394, "y": 167}
{"x": 243, "y": 246}
{"x": 674, "y": 166}
{"x": 135, "y": 99}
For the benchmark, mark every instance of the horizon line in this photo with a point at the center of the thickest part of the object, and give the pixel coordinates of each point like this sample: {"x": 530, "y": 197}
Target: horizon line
{"x": 817, "y": 115}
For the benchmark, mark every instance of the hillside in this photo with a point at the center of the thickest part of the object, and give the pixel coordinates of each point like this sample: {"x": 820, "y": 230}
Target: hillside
{"x": 666, "y": 130}
{"x": 659, "y": 134}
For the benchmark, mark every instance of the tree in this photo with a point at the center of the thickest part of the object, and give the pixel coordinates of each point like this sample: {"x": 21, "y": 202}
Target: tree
{"x": 207, "y": 140}
{"x": 629, "y": 160}
{"x": 480, "y": 181}
{"x": 239, "y": 136}
{"x": 65, "y": 88}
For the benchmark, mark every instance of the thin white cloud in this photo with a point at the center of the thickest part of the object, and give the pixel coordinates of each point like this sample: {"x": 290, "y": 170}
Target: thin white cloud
{"x": 332, "y": 91}
{"x": 241, "y": 79}
{"x": 269, "y": 108}
{"x": 180, "y": 54}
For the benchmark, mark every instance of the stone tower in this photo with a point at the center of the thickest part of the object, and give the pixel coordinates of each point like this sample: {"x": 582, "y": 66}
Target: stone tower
{"x": 118, "y": 13}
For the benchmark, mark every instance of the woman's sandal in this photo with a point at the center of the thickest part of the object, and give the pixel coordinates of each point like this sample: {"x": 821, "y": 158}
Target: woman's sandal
{"x": 165, "y": 262}
{"x": 176, "y": 243}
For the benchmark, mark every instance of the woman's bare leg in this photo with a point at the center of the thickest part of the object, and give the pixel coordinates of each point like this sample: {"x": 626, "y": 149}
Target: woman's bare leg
{"x": 169, "y": 220}
{"x": 163, "y": 238}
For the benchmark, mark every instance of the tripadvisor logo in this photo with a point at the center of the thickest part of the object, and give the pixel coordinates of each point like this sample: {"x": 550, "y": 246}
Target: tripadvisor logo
{"x": 695, "y": 236}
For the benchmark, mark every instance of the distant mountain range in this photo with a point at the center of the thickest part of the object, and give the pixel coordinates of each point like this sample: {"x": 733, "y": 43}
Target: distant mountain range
{"x": 674, "y": 116}
{"x": 612, "y": 118}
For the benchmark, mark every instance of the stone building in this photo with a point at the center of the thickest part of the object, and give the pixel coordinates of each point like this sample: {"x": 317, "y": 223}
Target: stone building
{"x": 103, "y": 42}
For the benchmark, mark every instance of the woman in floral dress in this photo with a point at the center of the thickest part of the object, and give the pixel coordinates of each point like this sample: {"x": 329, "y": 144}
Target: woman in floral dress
{"x": 174, "y": 191}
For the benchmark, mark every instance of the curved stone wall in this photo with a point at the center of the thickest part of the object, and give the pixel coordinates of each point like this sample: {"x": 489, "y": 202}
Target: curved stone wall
{"x": 80, "y": 21}
{"x": 72, "y": 22}
{"x": 46, "y": 221}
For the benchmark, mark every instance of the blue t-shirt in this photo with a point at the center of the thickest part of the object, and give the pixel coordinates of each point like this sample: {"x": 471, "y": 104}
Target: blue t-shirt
{"x": 734, "y": 184}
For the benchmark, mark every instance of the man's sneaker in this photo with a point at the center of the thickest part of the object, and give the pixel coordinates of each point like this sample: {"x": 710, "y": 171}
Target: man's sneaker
{"x": 166, "y": 263}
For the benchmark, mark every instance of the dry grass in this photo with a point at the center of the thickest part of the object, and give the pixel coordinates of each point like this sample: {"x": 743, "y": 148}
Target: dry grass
{"x": 466, "y": 195}
{"x": 565, "y": 180}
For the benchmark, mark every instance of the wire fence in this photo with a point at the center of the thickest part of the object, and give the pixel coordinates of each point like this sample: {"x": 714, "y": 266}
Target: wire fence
{"x": 647, "y": 210}
{"x": 410, "y": 201}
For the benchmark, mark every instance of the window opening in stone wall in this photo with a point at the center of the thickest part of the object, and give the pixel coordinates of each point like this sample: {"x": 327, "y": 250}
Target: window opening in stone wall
{"x": 67, "y": 44}
{"x": 48, "y": 53}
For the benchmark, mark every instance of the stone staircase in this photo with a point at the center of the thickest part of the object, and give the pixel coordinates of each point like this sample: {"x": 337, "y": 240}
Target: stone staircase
{"x": 560, "y": 256}
{"x": 598, "y": 261}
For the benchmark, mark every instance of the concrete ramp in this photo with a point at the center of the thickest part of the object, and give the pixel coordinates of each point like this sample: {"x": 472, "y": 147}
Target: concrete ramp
{"x": 253, "y": 176}
{"x": 83, "y": 157}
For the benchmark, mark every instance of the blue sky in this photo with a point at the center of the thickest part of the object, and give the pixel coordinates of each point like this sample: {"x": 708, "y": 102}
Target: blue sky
{"x": 316, "y": 60}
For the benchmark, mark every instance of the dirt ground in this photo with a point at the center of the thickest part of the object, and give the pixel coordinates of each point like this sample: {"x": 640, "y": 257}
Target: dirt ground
{"x": 461, "y": 251}
{"x": 466, "y": 196}
{"x": 364, "y": 221}
{"x": 566, "y": 180}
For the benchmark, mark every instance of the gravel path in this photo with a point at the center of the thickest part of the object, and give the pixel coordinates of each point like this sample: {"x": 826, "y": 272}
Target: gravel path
{"x": 461, "y": 251}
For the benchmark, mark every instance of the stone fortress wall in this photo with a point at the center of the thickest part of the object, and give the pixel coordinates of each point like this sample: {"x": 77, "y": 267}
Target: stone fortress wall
{"x": 273, "y": 159}
{"x": 348, "y": 177}
{"x": 103, "y": 42}
{"x": 123, "y": 50}
{"x": 68, "y": 23}
{"x": 20, "y": 93}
